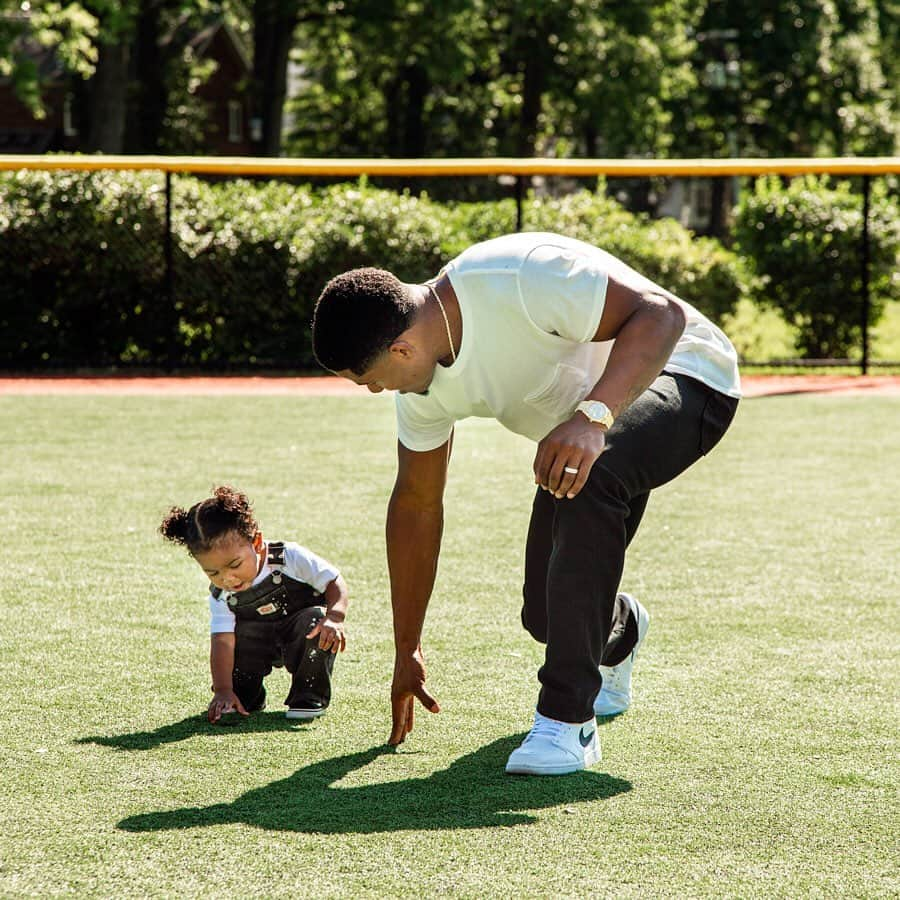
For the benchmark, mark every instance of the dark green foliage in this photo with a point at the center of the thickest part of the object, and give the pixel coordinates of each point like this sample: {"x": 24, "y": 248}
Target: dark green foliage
{"x": 235, "y": 283}
{"x": 699, "y": 270}
{"x": 549, "y": 77}
{"x": 805, "y": 243}
{"x": 81, "y": 267}
{"x": 83, "y": 278}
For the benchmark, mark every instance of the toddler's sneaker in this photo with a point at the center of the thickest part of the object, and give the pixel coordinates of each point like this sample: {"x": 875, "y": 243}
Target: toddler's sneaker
{"x": 615, "y": 694}
{"x": 555, "y": 748}
{"x": 311, "y": 709}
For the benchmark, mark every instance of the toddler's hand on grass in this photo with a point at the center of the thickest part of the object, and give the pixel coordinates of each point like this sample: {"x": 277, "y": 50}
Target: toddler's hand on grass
{"x": 331, "y": 634}
{"x": 224, "y": 702}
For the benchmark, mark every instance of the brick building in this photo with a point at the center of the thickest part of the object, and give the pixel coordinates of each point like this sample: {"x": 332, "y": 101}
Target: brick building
{"x": 229, "y": 129}
{"x": 20, "y": 131}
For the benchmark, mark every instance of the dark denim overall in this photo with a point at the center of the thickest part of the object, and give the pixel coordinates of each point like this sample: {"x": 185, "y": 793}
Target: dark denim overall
{"x": 272, "y": 621}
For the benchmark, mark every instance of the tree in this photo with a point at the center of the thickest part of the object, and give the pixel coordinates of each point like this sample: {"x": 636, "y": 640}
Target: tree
{"x": 69, "y": 28}
{"x": 164, "y": 115}
{"x": 274, "y": 22}
{"x": 380, "y": 77}
{"x": 496, "y": 77}
{"x": 503, "y": 78}
{"x": 107, "y": 93}
{"x": 143, "y": 73}
{"x": 149, "y": 92}
{"x": 130, "y": 74}
{"x": 791, "y": 78}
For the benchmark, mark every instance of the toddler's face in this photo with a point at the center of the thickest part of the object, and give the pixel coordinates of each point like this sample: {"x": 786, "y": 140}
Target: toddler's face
{"x": 233, "y": 561}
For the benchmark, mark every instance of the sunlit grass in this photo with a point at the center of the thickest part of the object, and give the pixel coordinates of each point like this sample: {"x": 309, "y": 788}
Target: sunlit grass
{"x": 759, "y": 759}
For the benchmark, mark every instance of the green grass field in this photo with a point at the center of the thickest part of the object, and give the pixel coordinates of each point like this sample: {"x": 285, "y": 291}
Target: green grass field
{"x": 759, "y": 760}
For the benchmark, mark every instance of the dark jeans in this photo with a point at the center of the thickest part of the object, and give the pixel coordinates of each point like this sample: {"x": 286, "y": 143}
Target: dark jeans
{"x": 576, "y": 548}
{"x": 260, "y": 645}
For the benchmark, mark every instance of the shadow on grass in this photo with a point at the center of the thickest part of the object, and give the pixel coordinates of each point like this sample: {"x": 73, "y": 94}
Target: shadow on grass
{"x": 198, "y": 724}
{"x": 474, "y": 792}
{"x": 606, "y": 720}
{"x": 186, "y": 728}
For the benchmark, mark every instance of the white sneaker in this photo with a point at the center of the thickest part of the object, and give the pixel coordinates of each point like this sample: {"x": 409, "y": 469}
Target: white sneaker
{"x": 555, "y": 748}
{"x": 615, "y": 694}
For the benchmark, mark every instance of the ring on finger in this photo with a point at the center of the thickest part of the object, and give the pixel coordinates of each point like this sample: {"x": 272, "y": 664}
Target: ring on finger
{"x": 571, "y": 470}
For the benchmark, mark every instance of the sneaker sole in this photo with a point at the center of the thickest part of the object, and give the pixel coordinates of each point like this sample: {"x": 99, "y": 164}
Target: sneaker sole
{"x": 643, "y": 623}
{"x": 531, "y": 769}
{"x": 304, "y": 713}
{"x": 643, "y": 626}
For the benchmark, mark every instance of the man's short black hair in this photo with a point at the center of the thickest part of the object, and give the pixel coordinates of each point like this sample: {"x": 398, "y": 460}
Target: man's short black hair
{"x": 358, "y": 316}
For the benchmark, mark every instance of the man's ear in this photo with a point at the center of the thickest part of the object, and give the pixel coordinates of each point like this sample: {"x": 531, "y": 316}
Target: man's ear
{"x": 258, "y": 541}
{"x": 402, "y": 348}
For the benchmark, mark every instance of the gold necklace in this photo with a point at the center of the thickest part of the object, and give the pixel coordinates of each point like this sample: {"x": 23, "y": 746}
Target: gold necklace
{"x": 434, "y": 294}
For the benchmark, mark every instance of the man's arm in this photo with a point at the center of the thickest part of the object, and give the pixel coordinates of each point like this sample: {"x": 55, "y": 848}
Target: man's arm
{"x": 415, "y": 522}
{"x": 646, "y": 323}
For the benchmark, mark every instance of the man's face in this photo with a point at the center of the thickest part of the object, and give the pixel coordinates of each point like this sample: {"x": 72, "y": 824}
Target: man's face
{"x": 401, "y": 367}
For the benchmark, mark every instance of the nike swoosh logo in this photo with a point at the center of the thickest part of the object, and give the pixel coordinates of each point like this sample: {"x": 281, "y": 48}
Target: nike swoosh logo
{"x": 585, "y": 739}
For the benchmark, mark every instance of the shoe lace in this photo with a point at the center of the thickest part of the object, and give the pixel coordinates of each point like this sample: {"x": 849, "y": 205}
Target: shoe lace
{"x": 544, "y": 727}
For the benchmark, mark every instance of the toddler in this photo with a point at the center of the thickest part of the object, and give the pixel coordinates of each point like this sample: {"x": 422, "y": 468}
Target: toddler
{"x": 271, "y": 604}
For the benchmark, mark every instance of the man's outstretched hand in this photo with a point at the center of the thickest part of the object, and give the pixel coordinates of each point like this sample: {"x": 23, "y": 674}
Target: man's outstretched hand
{"x": 407, "y": 687}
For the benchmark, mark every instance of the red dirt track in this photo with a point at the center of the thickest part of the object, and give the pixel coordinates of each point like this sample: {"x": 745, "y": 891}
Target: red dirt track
{"x": 754, "y": 385}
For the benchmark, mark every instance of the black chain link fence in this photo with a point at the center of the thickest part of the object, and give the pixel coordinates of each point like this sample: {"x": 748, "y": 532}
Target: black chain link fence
{"x": 151, "y": 270}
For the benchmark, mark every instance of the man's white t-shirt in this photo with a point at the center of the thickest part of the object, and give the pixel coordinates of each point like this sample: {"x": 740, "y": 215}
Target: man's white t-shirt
{"x": 299, "y": 563}
{"x": 530, "y": 304}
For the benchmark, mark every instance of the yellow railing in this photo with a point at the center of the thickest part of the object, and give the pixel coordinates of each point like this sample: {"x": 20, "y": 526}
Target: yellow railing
{"x": 520, "y": 169}
{"x": 238, "y": 165}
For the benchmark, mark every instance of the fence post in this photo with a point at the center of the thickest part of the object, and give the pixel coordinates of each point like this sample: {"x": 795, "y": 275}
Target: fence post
{"x": 865, "y": 274}
{"x": 520, "y": 191}
{"x": 171, "y": 316}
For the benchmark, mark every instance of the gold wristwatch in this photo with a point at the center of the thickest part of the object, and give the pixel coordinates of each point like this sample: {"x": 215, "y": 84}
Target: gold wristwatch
{"x": 597, "y": 411}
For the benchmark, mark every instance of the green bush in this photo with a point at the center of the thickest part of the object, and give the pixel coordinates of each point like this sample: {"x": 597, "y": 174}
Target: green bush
{"x": 235, "y": 273}
{"x": 699, "y": 270}
{"x": 358, "y": 225}
{"x": 804, "y": 243}
{"x": 81, "y": 267}
{"x": 471, "y": 223}
{"x": 83, "y": 277}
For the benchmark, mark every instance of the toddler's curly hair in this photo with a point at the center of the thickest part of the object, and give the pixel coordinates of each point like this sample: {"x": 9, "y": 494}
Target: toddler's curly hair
{"x": 198, "y": 528}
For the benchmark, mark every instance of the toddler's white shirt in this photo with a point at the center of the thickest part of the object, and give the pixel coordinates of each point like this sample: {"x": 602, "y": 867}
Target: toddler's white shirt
{"x": 299, "y": 563}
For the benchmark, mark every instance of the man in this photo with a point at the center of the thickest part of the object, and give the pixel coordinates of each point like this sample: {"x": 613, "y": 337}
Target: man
{"x": 621, "y": 384}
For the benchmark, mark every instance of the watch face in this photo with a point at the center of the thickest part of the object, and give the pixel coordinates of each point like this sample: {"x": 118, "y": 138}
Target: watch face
{"x": 597, "y": 411}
